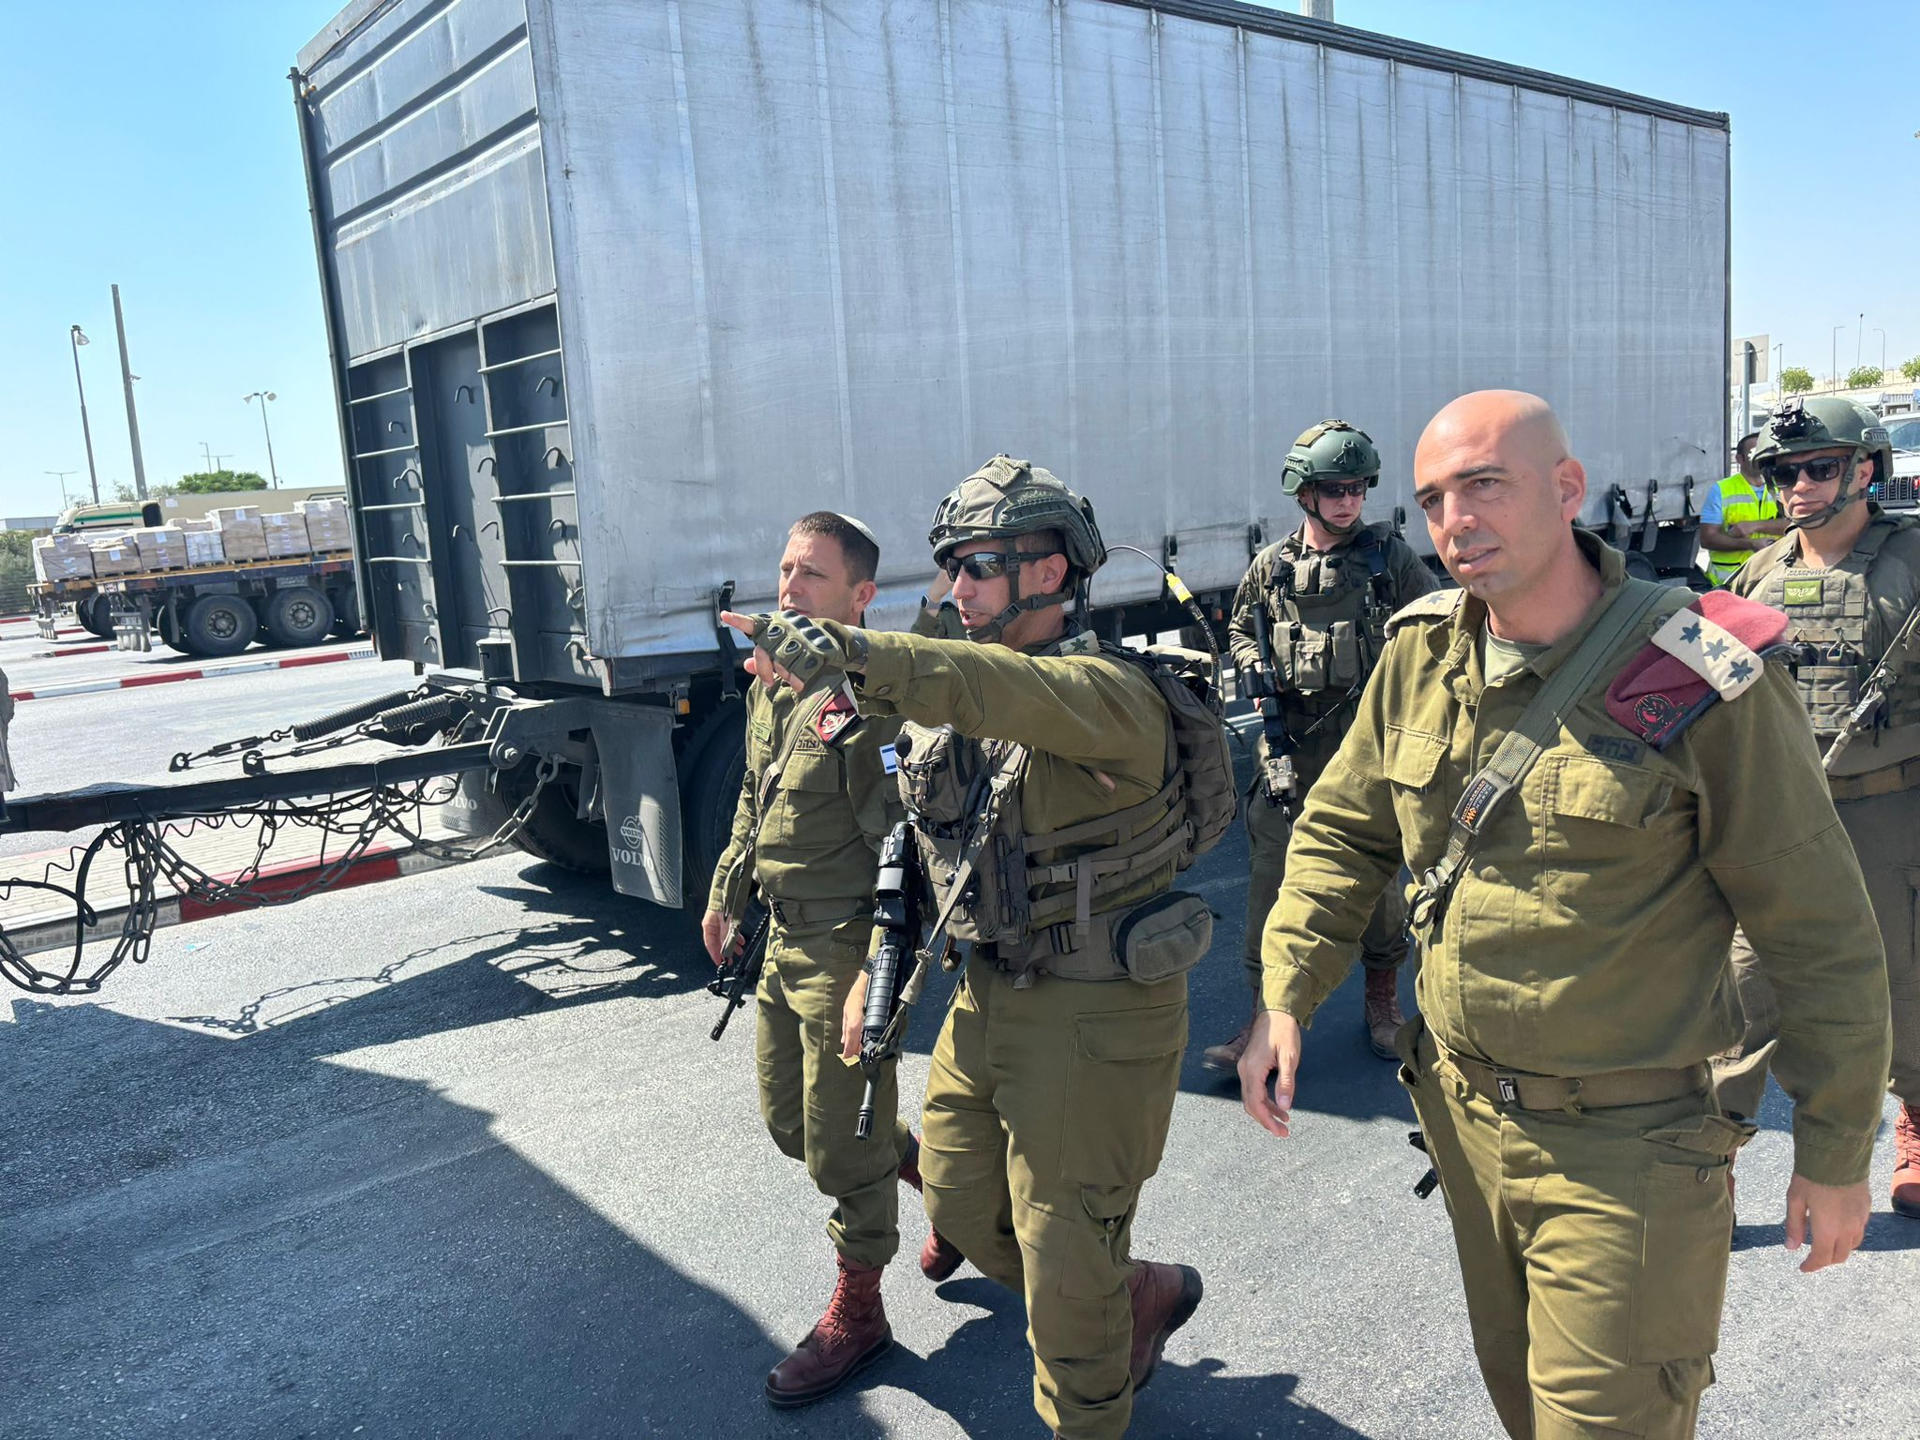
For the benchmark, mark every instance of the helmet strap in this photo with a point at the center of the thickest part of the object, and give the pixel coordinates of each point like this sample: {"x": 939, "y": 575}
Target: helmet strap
{"x": 1847, "y": 495}
{"x": 1326, "y": 524}
{"x": 990, "y": 633}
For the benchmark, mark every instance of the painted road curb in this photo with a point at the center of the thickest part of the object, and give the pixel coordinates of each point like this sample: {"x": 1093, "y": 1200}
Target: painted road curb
{"x": 72, "y": 650}
{"x": 167, "y": 677}
{"x": 371, "y": 868}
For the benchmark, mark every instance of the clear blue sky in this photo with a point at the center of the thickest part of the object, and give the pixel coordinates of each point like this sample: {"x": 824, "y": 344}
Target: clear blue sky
{"x": 154, "y": 145}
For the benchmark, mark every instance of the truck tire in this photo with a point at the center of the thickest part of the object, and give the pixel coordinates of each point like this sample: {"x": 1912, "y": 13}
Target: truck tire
{"x": 95, "y": 614}
{"x": 219, "y": 625}
{"x": 554, "y": 832}
{"x": 709, "y": 793}
{"x": 298, "y": 616}
{"x": 346, "y": 612}
{"x": 170, "y": 635}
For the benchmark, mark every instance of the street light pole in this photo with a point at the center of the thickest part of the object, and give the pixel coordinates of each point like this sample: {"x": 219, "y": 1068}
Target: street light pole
{"x": 1883, "y": 352}
{"x": 61, "y": 476}
{"x": 263, "y": 396}
{"x": 127, "y": 379}
{"x": 1779, "y": 362}
{"x": 77, "y": 337}
{"x": 1835, "y": 339}
{"x": 1859, "y": 335}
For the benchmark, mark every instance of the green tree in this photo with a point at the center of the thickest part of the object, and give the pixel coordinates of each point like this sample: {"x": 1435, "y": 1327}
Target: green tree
{"x": 219, "y": 482}
{"x": 1796, "y": 380}
{"x": 123, "y": 492}
{"x": 1862, "y": 377}
{"x": 16, "y": 568}
{"x": 1911, "y": 368}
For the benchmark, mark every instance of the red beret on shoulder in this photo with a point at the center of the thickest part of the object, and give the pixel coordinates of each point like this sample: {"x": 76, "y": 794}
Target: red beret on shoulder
{"x": 1712, "y": 650}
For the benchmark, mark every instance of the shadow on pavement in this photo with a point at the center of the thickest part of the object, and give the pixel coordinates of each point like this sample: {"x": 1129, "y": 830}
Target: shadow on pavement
{"x": 204, "y": 1236}
{"x": 1885, "y": 1231}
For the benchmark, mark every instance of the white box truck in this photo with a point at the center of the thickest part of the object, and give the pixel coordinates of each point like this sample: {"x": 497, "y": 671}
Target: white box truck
{"x": 615, "y": 290}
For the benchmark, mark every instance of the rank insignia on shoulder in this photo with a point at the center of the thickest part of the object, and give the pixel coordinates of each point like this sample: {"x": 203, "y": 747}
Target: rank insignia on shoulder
{"x": 838, "y": 717}
{"x": 1434, "y": 605}
{"x": 1708, "y": 652}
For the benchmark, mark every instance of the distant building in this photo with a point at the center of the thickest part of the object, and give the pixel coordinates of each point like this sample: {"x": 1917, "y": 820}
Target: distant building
{"x": 27, "y": 522}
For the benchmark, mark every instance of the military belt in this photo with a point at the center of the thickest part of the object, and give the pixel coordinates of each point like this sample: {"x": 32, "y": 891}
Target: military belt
{"x": 1890, "y": 781}
{"x": 1517, "y": 1090}
{"x": 816, "y": 912}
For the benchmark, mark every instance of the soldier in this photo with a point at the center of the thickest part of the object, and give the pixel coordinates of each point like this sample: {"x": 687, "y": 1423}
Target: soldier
{"x": 815, "y": 803}
{"x": 1848, "y": 578}
{"x": 1324, "y": 594}
{"x": 1053, "y": 1080}
{"x": 1566, "y": 757}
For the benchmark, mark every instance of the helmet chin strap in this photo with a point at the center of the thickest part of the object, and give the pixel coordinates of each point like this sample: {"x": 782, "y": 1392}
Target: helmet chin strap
{"x": 1847, "y": 495}
{"x": 1332, "y": 529}
{"x": 989, "y": 633}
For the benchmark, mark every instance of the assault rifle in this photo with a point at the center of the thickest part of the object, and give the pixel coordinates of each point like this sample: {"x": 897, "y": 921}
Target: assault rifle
{"x": 897, "y": 967}
{"x": 1279, "y": 782}
{"x": 1869, "y": 709}
{"x": 744, "y": 953}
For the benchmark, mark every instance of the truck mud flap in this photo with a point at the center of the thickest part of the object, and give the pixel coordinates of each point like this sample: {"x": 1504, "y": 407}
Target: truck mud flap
{"x": 641, "y": 796}
{"x": 474, "y": 808}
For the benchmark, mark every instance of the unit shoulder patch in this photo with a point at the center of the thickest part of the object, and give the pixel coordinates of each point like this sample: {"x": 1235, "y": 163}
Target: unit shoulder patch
{"x": 838, "y": 718}
{"x": 1708, "y": 652}
{"x": 1435, "y": 605}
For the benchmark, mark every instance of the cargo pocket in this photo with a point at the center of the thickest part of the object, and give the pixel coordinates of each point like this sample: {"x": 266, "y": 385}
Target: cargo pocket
{"x": 811, "y": 783}
{"x": 1686, "y": 1218}
{"x": 1164, "y": 937}
{"x": 1410, "y": 760}
{"x": 1121, "y": 1080}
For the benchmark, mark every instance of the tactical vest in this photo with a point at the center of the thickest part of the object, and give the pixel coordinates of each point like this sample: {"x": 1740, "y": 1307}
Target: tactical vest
{"x": 1329, "y": 614}
{"x": 1086, "y": 902}
{"x": 1740, "y": 502}
{"x": 1837, "y": 632}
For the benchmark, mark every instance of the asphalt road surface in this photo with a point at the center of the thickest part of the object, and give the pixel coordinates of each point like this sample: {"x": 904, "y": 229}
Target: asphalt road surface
{"x": 453, "y": 1155}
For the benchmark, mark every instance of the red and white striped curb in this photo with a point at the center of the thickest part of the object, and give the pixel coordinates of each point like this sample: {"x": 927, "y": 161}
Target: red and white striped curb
{"x": 166, "y": 677}
{"x": 375, "y": 865}
{"x": 70, "y": 650}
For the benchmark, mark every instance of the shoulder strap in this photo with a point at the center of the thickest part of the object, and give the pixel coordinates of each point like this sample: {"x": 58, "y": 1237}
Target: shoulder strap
{"x": 1532, "y": 733}
{"x": 1434, "y": 605}
{"x": 1001, "y": 781}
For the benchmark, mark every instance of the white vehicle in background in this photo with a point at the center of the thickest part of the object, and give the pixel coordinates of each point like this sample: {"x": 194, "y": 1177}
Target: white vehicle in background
{"x": 1902, "y": 489}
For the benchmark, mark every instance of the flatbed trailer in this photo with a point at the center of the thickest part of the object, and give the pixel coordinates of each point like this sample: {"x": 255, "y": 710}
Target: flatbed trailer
{"x": 220, "y": 609}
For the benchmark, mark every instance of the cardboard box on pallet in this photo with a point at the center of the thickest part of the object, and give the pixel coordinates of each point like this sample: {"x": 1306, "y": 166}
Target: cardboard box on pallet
{"x": 242, "y": 536}
{"x": 161, "y": 547}
{"x": 286, "y": 536}
{"x": 203, "y": 546}
{"x": 63, "y": 557}
{"x": 327, "y": 525}
{"x": 118, "y": 556}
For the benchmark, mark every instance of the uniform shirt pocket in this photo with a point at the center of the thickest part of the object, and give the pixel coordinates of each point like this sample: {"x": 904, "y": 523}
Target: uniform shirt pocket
{"x": 1410, "y": 760}
{"x": 1589, "y": 815}
{"x": 812, "y": 783}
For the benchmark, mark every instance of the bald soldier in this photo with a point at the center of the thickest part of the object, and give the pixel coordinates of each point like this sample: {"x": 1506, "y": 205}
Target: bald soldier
{"x": 1564, "y": 757}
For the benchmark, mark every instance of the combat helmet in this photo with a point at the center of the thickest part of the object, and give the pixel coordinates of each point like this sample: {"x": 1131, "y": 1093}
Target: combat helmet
{"x": 1004, "y": 499}
{"x": 1824, "y": 422}
{"x": 1331, "y": 450}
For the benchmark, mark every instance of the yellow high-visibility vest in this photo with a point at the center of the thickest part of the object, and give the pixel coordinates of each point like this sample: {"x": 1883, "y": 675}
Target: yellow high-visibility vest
{"x": 1739, "y": 501}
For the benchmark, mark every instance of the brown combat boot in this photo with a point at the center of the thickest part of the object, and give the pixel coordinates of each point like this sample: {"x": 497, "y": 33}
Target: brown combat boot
{"x": 1164, "y": 1298}
{"x": 910, "y": 1162}
{"x": 1225, "y": 1057}
{"x": 1382, "y": 1017}
{"x": 939, "y": 1257}
{"x": 1906, "y": 1162}
{"x": 850, "y": 1336}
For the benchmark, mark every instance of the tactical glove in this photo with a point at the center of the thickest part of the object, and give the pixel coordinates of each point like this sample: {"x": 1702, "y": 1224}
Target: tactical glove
{"x": 807, "y": 648}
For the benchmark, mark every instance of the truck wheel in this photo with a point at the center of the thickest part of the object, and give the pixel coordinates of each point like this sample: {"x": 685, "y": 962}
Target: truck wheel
{"x": 709, "y": 792}
{"x": 346, "y": 612}
{"x": 95, "y": 614}
{"x": 219, "y": 625}
{"x": 299, "y": 616}
{"x": 170, "y": 635}
{"x": 554, "y": 832}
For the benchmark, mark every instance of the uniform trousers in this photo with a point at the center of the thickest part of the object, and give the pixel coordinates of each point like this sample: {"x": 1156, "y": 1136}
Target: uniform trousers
{"x": 810, "y": 1097}
{"x": 1592, "y": 1246}
{"x": 1047, "y": 1110}
{"x": 1885, "y": 830}
{"x": 1384, "y": 944}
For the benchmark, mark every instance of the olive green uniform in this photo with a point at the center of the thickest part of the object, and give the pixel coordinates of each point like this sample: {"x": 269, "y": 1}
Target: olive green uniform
{"x": 1847, "y": 616}
{"x": 1049, "y": 1099}
{"x": 1587, "y": 938}
{"x": 816, "y": 861}
{"x": 1326, "y": 629}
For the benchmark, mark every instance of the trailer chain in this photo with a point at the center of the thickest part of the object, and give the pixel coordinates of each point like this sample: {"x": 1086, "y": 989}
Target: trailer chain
{"x": 149, "y": 855}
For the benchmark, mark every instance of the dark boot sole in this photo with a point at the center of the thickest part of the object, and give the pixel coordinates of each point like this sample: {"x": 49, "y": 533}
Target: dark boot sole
{"x": 794, "y": 1399}
{"x": 1192, "y": 1292}
{"x": 1906, "y": 1208}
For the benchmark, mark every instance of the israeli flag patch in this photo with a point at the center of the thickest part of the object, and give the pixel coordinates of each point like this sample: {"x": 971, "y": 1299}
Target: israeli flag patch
{"x": 889, "y": 759}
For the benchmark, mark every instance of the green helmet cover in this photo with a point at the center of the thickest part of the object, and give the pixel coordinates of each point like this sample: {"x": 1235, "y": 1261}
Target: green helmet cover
{"x": 1331, "y": 450}
{"x": 1007, "y": 498}
{"x": 1803, "y": 426}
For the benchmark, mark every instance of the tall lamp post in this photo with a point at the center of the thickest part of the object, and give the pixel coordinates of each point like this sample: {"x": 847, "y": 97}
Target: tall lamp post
{"x": 61, "y": 476}
{"x": 77, "y": 337}
{"x": 1835, "y": 360}
{"x": 263, "y": 396}
{"x": 1779, "y": 362}
{"x": 1883, "y": 351}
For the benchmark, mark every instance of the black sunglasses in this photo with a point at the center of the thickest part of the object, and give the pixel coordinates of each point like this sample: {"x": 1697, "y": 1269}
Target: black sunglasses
{"x": 1785, "y": 474}
{"x": 1332, "y": 490}
{"x": 990, "y": 564}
